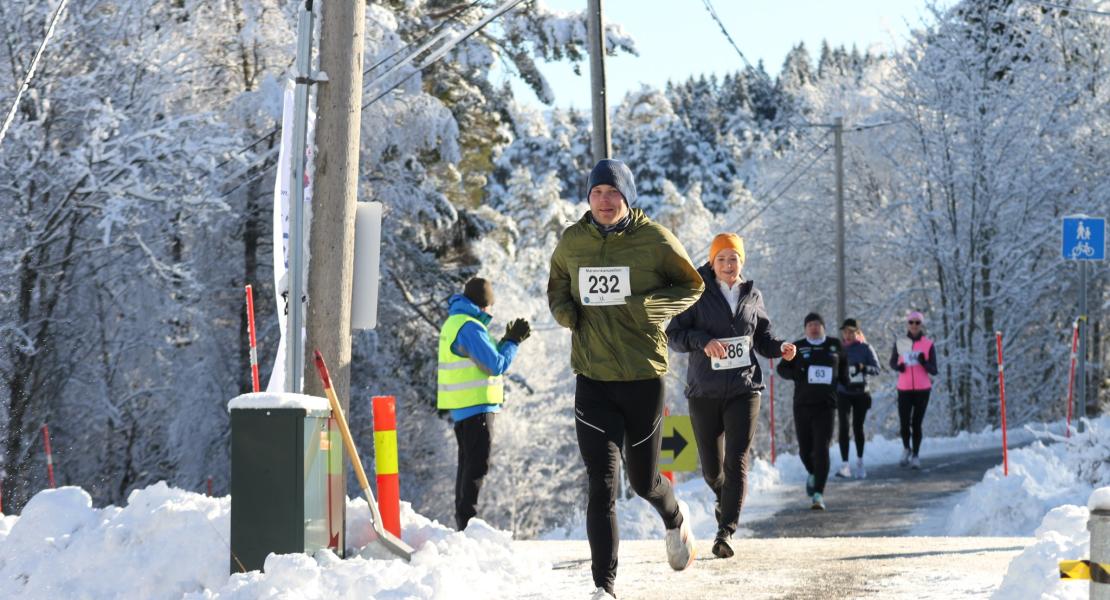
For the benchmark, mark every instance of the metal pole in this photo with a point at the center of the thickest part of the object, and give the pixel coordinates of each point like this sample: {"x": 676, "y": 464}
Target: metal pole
{"x": 1099, "y": 526}
{"x": 600, "y": 144}
{"x": 838, "y": 134}
{"x": 294, "y": 355}
{"x": 1081, "y": 387}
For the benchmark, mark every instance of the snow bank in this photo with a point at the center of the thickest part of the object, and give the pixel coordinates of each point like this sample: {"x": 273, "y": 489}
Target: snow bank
{"x": 1041, "y": 477}
{"x": 1062, "y": 535}
{"x": 170, "y": 543}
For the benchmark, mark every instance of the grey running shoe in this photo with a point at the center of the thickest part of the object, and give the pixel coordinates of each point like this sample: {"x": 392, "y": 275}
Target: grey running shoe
{"x": 680, "y": 543}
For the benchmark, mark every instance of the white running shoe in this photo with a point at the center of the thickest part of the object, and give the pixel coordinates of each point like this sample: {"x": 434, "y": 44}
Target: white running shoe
{"x": 861, "y": 471}
{"x": 845, "y": 471}
{"x": 680, "y": 542}
{"x": 915, "y": 463}
{"x": 601, "y": 594}
{"x": 905, "y": 457}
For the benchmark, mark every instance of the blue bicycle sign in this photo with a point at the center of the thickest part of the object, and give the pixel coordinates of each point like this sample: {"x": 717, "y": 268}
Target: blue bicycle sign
{"x": 1084, "y": 238}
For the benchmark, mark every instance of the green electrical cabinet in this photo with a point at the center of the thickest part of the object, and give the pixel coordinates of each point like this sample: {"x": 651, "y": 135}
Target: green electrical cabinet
{"x": 287, "y": 491}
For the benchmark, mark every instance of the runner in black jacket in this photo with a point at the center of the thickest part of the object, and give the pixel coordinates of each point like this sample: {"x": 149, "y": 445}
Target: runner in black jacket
{"x": 816, "y": 371}
{"x": 723, "y": 380}
{"x": 853, "y": 397}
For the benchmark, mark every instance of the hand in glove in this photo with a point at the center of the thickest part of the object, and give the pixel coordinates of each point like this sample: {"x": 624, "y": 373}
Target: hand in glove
{"x": 901, "y": 367}
{"x": 517, "y": 331}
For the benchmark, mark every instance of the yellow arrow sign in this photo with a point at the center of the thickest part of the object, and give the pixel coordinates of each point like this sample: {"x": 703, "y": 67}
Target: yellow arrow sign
{"x": 680, "y": 453}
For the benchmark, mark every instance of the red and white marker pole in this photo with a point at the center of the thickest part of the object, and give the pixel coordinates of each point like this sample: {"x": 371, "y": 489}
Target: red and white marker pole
{"x": 771, "y": 368}
{"x": 386, "y": 463}
{"x": 1071, "y": 372}
{"x": 49, "y": 454}
{"x": 1002, "y": 398}
{"x": 254, "y": 346}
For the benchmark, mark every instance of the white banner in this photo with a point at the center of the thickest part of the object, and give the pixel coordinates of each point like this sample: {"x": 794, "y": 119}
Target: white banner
{"x": 282, "y": 191}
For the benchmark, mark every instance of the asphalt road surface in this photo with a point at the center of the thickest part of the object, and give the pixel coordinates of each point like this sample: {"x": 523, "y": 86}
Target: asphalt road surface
{"x": 892, "y": 501}
{"x": 859, "y": 548}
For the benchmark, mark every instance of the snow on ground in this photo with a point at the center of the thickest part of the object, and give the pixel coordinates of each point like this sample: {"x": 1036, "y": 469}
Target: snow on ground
{"x": 1042, "y": 477}
{"x": 171, "y": 543}
{"x": 1043, "y": 494}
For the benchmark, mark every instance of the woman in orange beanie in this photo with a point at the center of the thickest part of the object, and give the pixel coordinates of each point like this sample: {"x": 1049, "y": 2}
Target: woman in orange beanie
{"x": 723, "y": 381}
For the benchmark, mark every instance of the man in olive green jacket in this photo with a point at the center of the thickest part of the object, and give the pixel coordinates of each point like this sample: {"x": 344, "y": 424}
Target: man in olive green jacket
{"x": 616, "y": 278}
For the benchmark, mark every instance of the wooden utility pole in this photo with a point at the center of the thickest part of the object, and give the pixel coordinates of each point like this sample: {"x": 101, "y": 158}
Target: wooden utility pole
{"x": 332, "y": 238}
{"x": 600, "y": 144}
{"x": 841, "y": 302}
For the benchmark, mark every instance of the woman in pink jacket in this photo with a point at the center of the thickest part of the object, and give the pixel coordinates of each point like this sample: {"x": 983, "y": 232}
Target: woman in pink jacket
{"x": 915, "y": 359}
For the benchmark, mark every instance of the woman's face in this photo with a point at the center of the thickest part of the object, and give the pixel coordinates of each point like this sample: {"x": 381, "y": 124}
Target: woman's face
{"x": 727, "y": 265}
{"x": 607, "y": 204}
{"x": 914, "y": 326}
{"x": 849, "y": 334}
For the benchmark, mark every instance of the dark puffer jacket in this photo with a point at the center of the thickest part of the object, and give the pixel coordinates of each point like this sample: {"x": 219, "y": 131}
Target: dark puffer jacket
{"x": 710, "y": 318}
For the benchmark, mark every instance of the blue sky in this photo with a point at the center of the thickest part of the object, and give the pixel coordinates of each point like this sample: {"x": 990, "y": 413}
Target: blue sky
{"x": 678, "y": 38}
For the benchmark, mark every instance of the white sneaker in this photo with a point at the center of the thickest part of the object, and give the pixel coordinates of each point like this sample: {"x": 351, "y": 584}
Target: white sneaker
{"x": 861, "y": 471}
{"x": 601, "y": 594}
{"x": 905, "y": 457}
{"x": 680, "y": 542}
{"x": 915, "y": 463}
{"x": 845, "y": 471}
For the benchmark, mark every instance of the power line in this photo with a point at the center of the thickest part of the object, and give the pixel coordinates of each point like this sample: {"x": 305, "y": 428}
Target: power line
{"x": 713, "y": 13}
{"x": 770, "y": 189}
{"x": 31, "y": 71}
{"x": 428, "y": 61}
{"x": 435, "y": 33}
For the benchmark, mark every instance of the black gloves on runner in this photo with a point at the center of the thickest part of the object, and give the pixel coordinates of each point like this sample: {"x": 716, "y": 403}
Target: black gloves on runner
{"x": 901, "y": 367}
{"x": 517, "y": 331}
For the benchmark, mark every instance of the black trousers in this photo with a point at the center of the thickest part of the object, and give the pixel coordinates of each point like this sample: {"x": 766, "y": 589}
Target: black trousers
{"x": 724, "y": 429}
{"x": 856, "y": 406}
{"x": 814, "y": 426}
{"x": 612, "y": 417}
{"x": 911, "y": 413}
{"x": 475, "y": 438}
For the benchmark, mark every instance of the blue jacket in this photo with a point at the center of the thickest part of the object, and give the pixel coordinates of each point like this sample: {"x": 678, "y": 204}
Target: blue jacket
{"x": 473, "y": 341}
{"x": 859, "y": 353}
{"x": 710, "y": 318}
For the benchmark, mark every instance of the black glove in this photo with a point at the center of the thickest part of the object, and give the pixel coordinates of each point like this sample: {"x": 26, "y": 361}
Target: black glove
{"x": 901, "y": 367}
{"x": 517, "y": 331}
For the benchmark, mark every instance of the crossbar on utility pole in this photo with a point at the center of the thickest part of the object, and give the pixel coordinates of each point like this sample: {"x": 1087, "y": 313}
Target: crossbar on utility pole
{"x": 600, "y": 144}
{"x": 838, "y": 137}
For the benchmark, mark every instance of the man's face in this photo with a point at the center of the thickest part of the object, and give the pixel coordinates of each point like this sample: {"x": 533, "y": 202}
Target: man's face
{"x": 814, "y": 330}
{"x": 607, "y": 204}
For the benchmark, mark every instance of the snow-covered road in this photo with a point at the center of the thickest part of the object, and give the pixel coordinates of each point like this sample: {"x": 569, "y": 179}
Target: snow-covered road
{"x": 875, "y": 567}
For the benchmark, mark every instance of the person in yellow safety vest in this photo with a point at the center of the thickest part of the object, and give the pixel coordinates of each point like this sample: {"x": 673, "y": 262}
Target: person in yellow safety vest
{"x": 470, "y": 386}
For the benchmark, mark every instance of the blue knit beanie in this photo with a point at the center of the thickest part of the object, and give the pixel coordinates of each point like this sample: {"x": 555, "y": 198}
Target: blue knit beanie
{"x": 615, "y": 173}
